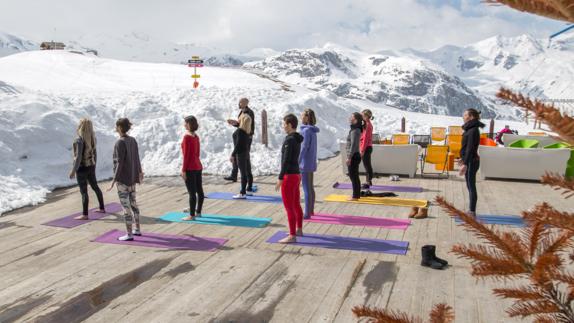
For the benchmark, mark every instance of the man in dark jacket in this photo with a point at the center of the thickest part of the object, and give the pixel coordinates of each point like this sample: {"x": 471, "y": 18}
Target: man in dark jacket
{"x": 244, "y": 107}
{"x": 290, "y": 178}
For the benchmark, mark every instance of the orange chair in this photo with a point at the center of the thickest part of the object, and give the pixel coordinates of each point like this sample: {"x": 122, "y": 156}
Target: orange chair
{"x": 455, "y": 130}
{"x": 487, "y": 142}
{"x": 438, "y": 133}
{"x": 537, "y": 133}
{"x": 401, "y": 139}
{"x": 454, "y": 143}
{"x": 437, "y": 155}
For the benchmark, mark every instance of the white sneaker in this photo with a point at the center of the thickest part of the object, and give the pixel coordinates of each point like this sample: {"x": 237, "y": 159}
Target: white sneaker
{"x": 239, "y": 197}
{"x": 136, "y": 232}
{"x": 127, "y": 237}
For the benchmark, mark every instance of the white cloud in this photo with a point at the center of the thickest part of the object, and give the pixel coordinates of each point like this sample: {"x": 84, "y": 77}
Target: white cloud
{"x": 239, "y": 25}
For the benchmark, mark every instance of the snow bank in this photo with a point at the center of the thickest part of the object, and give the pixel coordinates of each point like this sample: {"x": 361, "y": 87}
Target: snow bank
{"x": 48, "y": 92}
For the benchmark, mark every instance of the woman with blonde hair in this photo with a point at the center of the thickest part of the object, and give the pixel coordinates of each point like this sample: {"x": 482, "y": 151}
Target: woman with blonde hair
{"x": 84, "y": 168}
{"x": 240, "y": 153}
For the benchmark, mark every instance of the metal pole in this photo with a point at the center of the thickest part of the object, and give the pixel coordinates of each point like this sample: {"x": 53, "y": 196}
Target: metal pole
{"x": 403, "y": 125}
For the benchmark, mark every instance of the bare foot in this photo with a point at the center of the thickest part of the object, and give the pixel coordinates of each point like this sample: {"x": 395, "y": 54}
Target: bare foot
{"x": 188, "y": 218}
{"x": 352, "y": 199}
{"x": 288, "y": 239}
{"x": 299, "y": 232}
{"x": 82, "y": 217}
{"x": 101, "y": 211}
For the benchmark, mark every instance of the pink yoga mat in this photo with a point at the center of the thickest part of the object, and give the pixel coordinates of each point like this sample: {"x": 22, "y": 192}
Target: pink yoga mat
{"x": 168, "y": 241}
{"x": 69, "y": 221}
{"x": 388, "y": 223}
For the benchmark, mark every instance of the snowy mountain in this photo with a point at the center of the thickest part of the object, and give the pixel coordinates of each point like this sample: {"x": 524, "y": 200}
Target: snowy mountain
{"x": 407, "y": 83}
{"x": 536, "y": 67}
{"x": 43, "y": 94}
{"x": 10, "y": 44}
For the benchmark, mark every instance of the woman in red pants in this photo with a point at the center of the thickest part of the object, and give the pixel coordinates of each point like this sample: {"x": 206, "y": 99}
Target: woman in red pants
{"x": 290, "y": 178}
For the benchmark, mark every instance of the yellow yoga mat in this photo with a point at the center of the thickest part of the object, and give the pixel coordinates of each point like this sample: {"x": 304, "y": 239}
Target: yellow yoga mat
{"x": 392, "y": 201}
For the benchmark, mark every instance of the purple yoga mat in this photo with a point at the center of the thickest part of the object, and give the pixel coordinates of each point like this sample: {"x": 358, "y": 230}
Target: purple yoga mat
{"x": 346, "y": 243}
{"x": 389, "y": 223}
{"x": 69, "y": 221}
{"x": 386, "y": 188}
{"x": 168, "y": 241}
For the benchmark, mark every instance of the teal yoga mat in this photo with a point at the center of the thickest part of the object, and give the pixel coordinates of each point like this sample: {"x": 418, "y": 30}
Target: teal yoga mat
{"x": 216, "y": 219}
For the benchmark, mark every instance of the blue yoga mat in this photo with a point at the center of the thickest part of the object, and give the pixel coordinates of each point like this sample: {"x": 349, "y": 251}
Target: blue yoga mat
{"x": 498, "y": 219}
{"x": 254, "y": 198}
{"x": 345, "y": 243}
{"x": 215, "y": 219}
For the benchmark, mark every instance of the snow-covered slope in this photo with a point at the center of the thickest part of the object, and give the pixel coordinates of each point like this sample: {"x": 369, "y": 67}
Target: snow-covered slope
{"x": 408, "y": 83}
{"x": 532, "y": 66}
{"x": 10, "y": 44}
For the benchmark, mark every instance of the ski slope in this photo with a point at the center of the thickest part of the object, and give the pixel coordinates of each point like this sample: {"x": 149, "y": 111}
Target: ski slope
{"x": 43, "y": 94}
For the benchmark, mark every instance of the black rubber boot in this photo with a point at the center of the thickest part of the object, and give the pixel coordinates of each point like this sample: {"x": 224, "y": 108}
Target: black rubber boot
{"x": 230, "y": 178}
{"x": 433, "y": 251}
{"x": 428, "y": 258}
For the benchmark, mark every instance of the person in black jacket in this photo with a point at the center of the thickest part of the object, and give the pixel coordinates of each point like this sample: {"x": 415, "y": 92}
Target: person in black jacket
{"x": 290, "y": 178}
{"x": 470, "y": 161}
{"x": 244, "y": 107}
{"x": 240, "y": 154}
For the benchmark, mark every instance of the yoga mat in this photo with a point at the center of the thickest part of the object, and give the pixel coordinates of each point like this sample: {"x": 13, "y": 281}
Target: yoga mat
{"x": 386, "y": 188}
{"x": 346, "y": 243}
{"x": 389, "y": 223}
{"x": 392, "y": 201}
{"x": 69, "y": 221}
{"x": 235, "y": 221}
{"x": 498, "y": 219}
{"x": 254, "y": 198}
{"x": 168, "y": 241}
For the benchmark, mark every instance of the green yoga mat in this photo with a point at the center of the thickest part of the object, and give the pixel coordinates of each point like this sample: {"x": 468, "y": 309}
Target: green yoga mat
{"x": 216, "y": 219}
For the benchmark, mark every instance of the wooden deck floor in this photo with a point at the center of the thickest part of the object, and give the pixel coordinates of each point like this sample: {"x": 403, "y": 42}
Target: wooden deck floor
{"x": 57, "y": 275}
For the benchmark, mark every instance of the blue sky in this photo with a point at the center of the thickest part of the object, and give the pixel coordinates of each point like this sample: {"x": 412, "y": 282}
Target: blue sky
{"x": 240, "y": 25}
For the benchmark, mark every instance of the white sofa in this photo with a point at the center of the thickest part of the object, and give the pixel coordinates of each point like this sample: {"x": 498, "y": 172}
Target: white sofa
{"x": 508, "y": 138}
{"x": 389, "y": 159}
{"x": 521, "y": 163}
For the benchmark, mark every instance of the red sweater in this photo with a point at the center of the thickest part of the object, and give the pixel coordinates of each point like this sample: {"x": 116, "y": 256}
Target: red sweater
{"x": 367, "y": 137}
{"x": 190, "y": 149}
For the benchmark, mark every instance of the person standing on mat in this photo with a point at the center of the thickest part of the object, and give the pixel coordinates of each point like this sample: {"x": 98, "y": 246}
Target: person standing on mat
{"x": 290, "y": 179}
{"x": 84, "y": 168}
{"x": 240, "y": 154}
{"x": 127, "y": 173}
{"x": 308, "y": 159}
{"x": 353, "y": 153}
{"x": 367, "y": 146}
{"x": 469, "y": 159}
{"x": 192, "y": 168}
{"x": 244, "y": 107}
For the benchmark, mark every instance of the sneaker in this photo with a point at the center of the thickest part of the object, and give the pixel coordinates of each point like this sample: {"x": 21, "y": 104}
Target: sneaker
{"x": 136, "y": 232}
{"x": 127, "y": 237}
{"x": 240, "y": 197}
{"x": 229, "y": 178}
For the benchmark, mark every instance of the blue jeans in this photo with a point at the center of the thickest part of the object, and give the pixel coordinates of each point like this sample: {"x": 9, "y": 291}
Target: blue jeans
{"x": 309, "y": 191}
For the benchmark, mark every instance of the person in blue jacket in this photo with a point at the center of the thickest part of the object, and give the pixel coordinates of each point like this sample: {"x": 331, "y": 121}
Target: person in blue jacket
{"x": 308, "y": 159}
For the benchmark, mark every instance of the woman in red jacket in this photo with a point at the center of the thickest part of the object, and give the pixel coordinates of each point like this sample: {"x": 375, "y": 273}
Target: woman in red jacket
{"x": 191, "y": 170}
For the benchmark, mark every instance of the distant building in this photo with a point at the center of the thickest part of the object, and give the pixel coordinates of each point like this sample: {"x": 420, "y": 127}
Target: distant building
{"x": 52, "y": 45}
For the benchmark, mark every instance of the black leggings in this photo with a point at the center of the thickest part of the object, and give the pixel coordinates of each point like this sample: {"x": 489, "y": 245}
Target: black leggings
{"x": 249, "y": 175}
{"x": 244, "y": 169}
{"x": 470, "y": 176}
{"x": 367, "y": 164}
{"x": 354, "y": 175}
{"x": 87, "y": 175}
{"x": 195, "y": 191}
